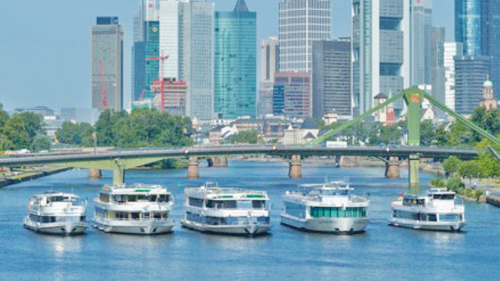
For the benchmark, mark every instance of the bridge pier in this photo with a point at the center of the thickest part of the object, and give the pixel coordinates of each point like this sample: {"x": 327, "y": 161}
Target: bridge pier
{"x": 95, "y": 174}
{"x": 193, "y": 168}
{"x": 219, "y": 162}
{"x": 392, "y": 168}
{"x": 413, "y": 173}
{"x": 295, "y": 171}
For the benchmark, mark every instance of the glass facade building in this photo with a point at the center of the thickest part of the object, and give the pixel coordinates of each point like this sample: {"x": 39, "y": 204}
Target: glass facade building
{"x": 491, "y": 40}
{"x": 107, "y": 64}
{"x": 451, "y": 49}
{"x": 421, "y": 26}
{"x": 269, "y": 63}
{"x": 331, "y": 76}
{"x": 301, "y": 22}
{"x": 380, "y": 50}
{"x": 235, "y": 76}
{"x": 468, "y": 26}
{"x": 470, "y": 74}
{"x": 292, "y": 94}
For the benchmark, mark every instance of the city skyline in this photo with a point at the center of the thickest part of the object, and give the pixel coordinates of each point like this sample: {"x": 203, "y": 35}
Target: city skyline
{"x": 61, "y": 69}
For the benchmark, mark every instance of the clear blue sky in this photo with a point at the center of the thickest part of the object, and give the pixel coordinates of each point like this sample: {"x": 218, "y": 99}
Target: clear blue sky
{"x": 45, "y": 45}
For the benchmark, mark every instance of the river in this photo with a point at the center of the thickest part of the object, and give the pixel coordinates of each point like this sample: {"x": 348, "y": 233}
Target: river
{"x": 382, "y": 253}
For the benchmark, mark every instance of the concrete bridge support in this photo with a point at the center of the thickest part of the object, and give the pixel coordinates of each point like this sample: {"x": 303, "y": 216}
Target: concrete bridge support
{"x": 295, "y": 171}
{"x": 95, "y": 174}
{"x": 218, "y": 162}
{"x": 392, "y": 168}
{"x": 413, "y": 173}
{"x": 193, "y": 168}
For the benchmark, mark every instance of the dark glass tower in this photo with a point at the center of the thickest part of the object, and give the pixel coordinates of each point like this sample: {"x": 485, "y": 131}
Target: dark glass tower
{"x": 468, "y": 23}
{"x": 235, "y": 91}
{"x": 491, "y": 40}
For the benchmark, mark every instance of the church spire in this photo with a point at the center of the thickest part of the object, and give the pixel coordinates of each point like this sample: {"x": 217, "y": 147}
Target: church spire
{"x": 241, "y": 7}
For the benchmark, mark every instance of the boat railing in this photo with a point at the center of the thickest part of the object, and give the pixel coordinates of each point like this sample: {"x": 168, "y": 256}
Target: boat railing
{"x": 139, "y": 219}
{"x": 225, "y": 191}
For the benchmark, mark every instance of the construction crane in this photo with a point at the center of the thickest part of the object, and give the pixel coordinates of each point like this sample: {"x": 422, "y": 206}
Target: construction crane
{"x": 162, "y": 59}
{"x": 103, "y": 89}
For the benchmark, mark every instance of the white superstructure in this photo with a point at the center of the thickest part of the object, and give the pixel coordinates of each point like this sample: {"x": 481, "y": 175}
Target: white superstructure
{"x": 56, "y": 213}
{"x": 328, "y": 207}
{"x": 227, "y": 210}
{"x": 134, "y": 209}
{"x": 439, "y": 210}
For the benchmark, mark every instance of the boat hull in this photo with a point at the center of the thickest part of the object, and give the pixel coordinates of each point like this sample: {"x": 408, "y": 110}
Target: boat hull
{"x": 134, "y": 227}
{"x": 331, "y": 225}
{"x": 424, "y": 225}
{"x": 56, "y": 228}
{"x": 246, "y": 229}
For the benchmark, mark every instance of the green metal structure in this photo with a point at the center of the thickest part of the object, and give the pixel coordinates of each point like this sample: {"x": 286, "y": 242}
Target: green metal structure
{"x": 413, "y": 99}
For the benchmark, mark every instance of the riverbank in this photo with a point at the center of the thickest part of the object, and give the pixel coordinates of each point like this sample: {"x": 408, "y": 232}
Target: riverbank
{"x": 22, "y": 175}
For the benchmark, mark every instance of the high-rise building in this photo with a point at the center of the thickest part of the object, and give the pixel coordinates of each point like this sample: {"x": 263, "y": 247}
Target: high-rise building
{"x": 438, "y": 38}
{"x": 451, "y": 49}
{"x": 470, "y": 73}
{"x": 187, "y": 37}
{"x": 302, "y": 22}
{"x": 468, "y": 26}
{"x": 491, "y": 40}
{"x": 292, "y": 94}
{"x": 421, "y": 25}
{"x": 380, "y": 49}
{"x": 146, "y": 45}
{"x": 331, "y": 78}
{"x": 107, "y": 64}
{"x": 269, "y": 65}
{"x": 235, "y": 77}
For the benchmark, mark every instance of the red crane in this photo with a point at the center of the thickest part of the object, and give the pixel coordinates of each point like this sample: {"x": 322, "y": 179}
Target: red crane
{"x": 162, "y": 59}
{"x": 103, "y": 90}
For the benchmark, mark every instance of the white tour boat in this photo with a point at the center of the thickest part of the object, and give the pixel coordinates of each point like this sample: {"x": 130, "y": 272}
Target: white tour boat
{"x": 134, "y": 209}
{"x": 440, "y": 210}
{"x": 329, "y": 207}
{"x": 56, "y": 213}
{"x": 227, "y": 210}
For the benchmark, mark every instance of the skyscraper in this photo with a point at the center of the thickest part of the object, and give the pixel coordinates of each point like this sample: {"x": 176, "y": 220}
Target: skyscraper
{"x": 491, "y": 40}
{"x": 300, "y": 23}
{"x": 451, "y": 49}
{"x": 437, "y": 63}
{"x": 381, "y": 50}
{"x": 468, "y": 26}
{"x": 235, "y": 76}
{"x": 146, "y": 45}
{"x": 269, "y": 65}
{"x": 107, "y": 64}
{"x": 292, "y": 94}
{"x": 331, "y": 78}
{"x": 187, "y": 37}
{"x": 470, "y": 74}
{"x": 421, "y": 24}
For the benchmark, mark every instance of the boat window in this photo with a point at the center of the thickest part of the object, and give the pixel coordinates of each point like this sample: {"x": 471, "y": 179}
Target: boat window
{"x": 244, "y": 204}
{"x": 211, "y": 204}
{"x": 131, "y": 198}
{"x": 449, "y": 217}
{"x": 259, "y": 204}
{"x": 444, "y": 196}
{"x": 195, "y": 202}
{"x": 119, "y": 198}
{"x": 141, "y": 197}
{"x": 295, "y": 210}
{"x": 152, "y": 198}
{"x": 432, "y": 217}
{"x": 103, "y": 197}
{"x": 135, "y": 216}
{"x": 163, "y": 198}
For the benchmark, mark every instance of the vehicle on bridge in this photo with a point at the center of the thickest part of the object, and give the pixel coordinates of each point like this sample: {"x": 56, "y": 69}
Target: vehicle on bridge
{"x": 440, "y": 210}
{"x": 56, "y": 213}
{"x": 134, "y": 209}
{"x": 328, "y": 207}
{"x": 227, "y": 210}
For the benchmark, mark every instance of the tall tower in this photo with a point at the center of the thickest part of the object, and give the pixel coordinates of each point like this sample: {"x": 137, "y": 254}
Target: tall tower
{"x": 107, "y": 64}
{"x": 269, "y": 63}
{"x": 491, "y": 40}
{"x": 451, "y": 49}
{"x": 146, "y": 45}
{"x": 235, "y": 62}
{"x": 438, "y": 38}
{"x": 421, "y": 25}
{"x": 380, "y": 50}
{"x": 302, "y": 22}
{"x": 468, "y": 26}
{"x": 187, "y": 37}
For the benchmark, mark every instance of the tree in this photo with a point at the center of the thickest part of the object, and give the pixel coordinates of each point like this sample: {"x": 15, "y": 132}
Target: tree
{"x": 41, "y": 142}
{"x": 451, "y": 165}
{"x": 427, "y": 135}
{"x": 22, "y": 128}
{"x": 442, "y": 135}
{"x": 3, "y": 116}
{"x": 243, "y": 137}
{"x": 470, "y": 169}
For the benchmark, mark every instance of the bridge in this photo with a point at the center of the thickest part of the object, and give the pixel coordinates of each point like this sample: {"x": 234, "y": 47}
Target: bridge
{"x": 119, "y": 161}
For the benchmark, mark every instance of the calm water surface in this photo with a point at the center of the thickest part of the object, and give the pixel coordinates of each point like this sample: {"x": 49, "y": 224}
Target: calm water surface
{"x": 382, "y": 253}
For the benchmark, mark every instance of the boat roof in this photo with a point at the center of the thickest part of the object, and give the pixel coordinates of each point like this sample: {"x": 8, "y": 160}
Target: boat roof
{"x": 439, "y": 191}
{"x": 219, "y": 191}
{"x": 54, "y": 194}
{"x": 134, "y": 188}
{"x": 333, "y": 185}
